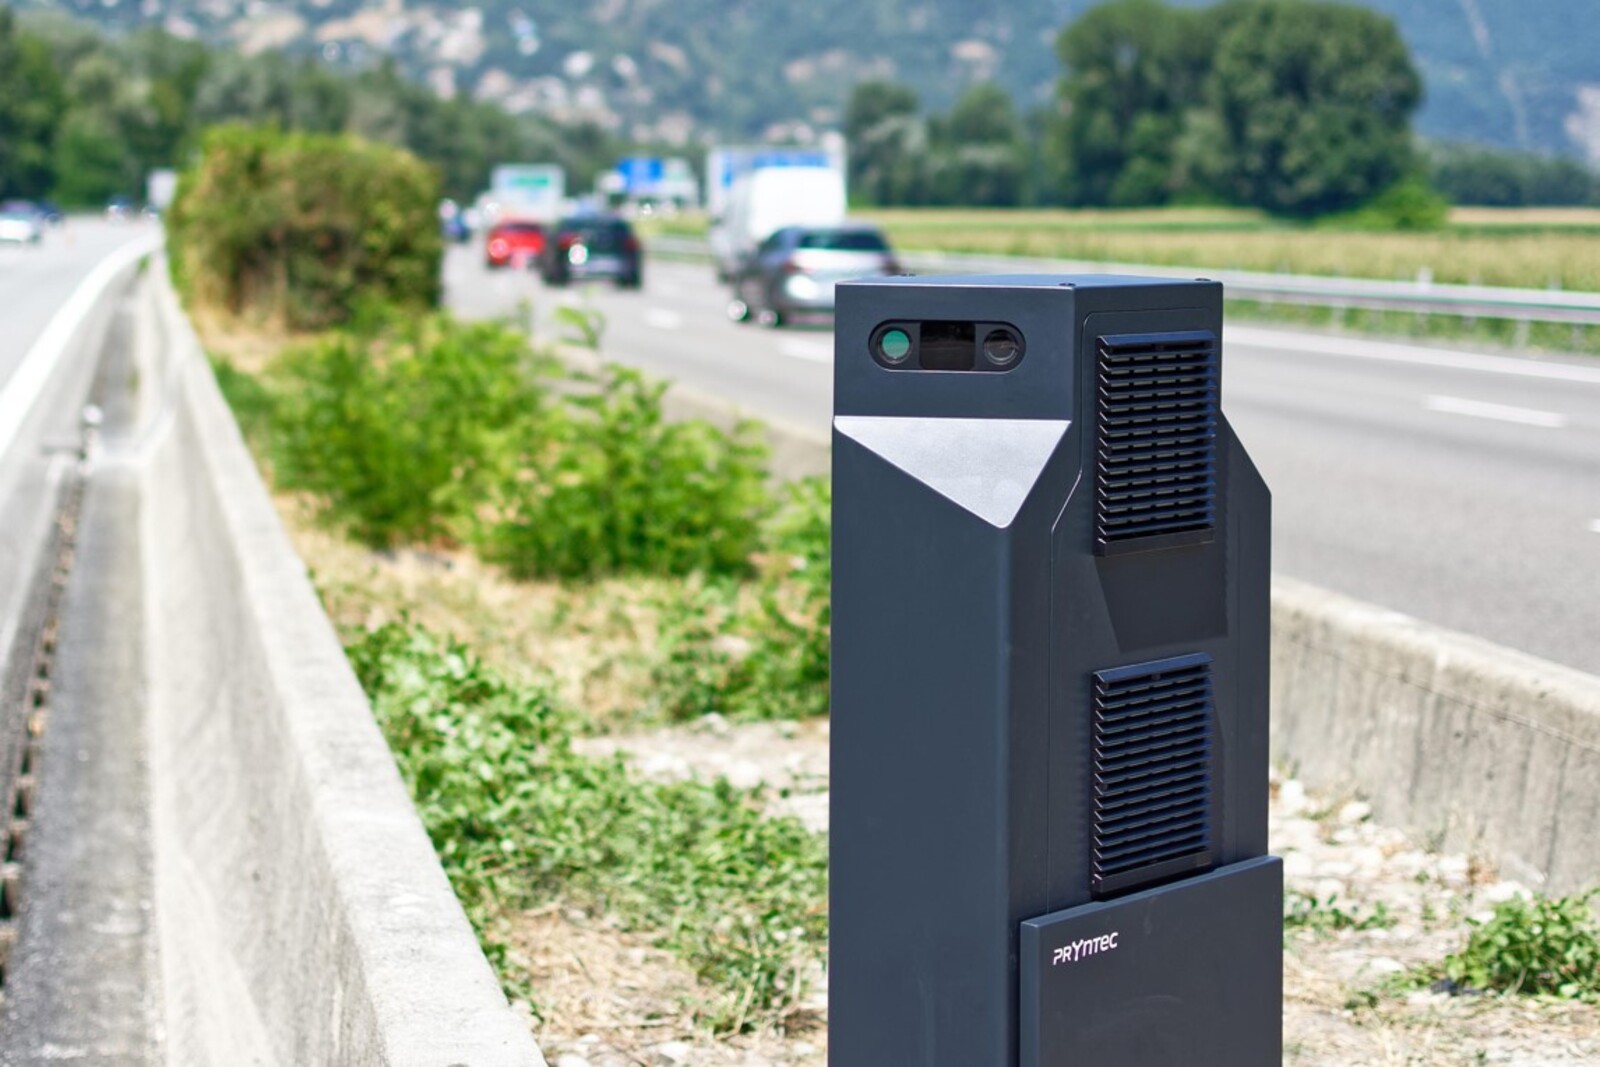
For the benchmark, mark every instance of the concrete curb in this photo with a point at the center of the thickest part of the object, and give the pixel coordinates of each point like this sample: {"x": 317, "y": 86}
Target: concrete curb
{"x": 304, "y": 916}
{"x": 1464, "y": 743}
{"x": 1472, "y": 745}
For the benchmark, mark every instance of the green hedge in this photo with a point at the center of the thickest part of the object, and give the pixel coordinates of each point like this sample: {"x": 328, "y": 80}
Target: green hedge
{"x": 301, "y": 229}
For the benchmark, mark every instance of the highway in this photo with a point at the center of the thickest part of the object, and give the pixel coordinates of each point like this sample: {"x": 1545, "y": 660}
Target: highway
{"x": 1456, "y": 487}
{"x": 35, "y": 280}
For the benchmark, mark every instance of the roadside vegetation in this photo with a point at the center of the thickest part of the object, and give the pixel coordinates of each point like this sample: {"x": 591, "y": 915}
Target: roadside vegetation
{"x": 519, "y": 819}
{"x": 453, "y": 441}
{"x": 1538, "y": 947}
{"x": 526, "y": 563}
{"x": 494, "y": 743}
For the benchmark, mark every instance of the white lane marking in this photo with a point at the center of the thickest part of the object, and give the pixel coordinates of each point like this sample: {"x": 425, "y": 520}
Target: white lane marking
{"x": 662, "y": 319}
{"x": 18, "y": 395}
{"x": 1594, "y": 525}
{"x": 1251, "y": 337}
{"x": 1480, "y": 409}
{"x": 799, "y": 348}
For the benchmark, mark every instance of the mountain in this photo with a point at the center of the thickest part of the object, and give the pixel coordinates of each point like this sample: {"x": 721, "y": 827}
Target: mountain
{"x": 1524, "y": 75}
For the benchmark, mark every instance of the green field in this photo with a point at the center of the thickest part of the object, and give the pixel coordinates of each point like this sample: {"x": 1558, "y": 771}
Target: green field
{"x": 1531, "y": 248}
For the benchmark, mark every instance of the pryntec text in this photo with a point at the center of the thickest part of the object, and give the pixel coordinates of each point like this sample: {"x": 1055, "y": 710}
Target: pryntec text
{"x": 1089, "y": 946}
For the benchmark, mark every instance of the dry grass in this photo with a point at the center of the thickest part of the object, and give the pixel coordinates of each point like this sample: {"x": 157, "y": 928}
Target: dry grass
{"x": 1525, "y": 216}
{"x": 611, "y": 998}
{"x": 587, "y": 640}
{"x": 247, "y": 344}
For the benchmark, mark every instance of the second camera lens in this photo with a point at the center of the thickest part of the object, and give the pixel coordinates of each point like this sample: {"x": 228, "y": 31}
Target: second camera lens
{"x": 1001, "y": 348}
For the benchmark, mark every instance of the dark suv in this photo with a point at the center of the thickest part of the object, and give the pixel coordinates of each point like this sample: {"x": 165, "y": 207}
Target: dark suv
{"x": 794, "y": 271}
{"x": 593, "y": 246}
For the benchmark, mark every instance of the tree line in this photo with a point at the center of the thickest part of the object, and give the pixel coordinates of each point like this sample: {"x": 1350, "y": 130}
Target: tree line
{"x": 1300, "y": 107}
{"x": 84, "y": 116}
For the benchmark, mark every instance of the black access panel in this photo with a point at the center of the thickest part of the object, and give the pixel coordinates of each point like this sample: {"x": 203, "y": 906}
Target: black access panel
{"x": 1049, "y": 735}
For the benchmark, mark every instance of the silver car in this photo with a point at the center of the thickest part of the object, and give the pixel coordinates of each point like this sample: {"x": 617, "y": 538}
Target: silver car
{"x": 795, "y": 270}
{"x": 21, "y": 224}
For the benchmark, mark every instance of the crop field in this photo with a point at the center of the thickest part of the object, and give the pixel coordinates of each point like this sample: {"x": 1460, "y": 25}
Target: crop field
{"x": 1535, "y": 249}
{"x": 1529, "y": 248}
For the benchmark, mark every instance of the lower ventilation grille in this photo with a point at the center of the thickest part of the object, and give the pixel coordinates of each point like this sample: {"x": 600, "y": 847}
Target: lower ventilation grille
{"x": 1153, "y": 772}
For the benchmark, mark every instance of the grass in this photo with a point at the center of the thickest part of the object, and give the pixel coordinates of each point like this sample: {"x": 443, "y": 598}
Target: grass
{"x": 520, "y": 819}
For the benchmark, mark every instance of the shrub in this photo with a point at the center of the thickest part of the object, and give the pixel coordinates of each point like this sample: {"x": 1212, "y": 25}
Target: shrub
{"x": 606, "y": 485}
{"x": 1409, "y": 205}
{"x": 297, "y": 228}
{"x": 518, "y": 818}
{"x": 410, "y": 430}
{"x": 395, "y": 427}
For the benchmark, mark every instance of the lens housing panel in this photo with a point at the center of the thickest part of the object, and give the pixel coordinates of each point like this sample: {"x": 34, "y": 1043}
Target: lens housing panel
{"x": 944, "y": 346}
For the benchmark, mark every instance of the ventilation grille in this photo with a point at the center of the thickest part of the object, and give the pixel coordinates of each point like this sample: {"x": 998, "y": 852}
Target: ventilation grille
{"x": 1155, "y": 481}
{"x": 1152, "y": 772}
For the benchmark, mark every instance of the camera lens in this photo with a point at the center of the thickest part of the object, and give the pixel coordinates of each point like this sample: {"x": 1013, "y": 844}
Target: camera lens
{"x": 1001, "y": 348}
{"x": 894, "y": 345}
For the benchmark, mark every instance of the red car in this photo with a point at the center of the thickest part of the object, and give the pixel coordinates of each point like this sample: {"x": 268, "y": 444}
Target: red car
{"x": 513, "y": 244}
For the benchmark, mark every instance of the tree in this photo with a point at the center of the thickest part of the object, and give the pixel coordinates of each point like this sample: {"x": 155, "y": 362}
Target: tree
{"x": 1133, "y": 68}
{"x": 1476, "y": 175}
{"x": 976, "y": 154}
{"x": 31, "y": 104}
{"x": 886, "y": 142}
{"x": 1315, "y": 102}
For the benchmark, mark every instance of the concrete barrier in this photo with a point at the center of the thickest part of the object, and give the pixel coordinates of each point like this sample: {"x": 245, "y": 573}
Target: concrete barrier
{"x": 304, "y": 917}
{"x": 1468, "y": 744}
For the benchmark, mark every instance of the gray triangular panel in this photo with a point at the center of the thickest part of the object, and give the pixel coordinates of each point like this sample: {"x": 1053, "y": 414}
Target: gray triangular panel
{"x": 987, "y": 466}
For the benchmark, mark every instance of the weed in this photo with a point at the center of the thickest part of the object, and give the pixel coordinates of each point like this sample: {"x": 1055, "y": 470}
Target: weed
{"x": 581, "y": 325}
{"x": 519, "y": 819}
{"x": 760, "y": 653}
{"x": 1323, "y": 916}
{"x": 1546, "y": 946}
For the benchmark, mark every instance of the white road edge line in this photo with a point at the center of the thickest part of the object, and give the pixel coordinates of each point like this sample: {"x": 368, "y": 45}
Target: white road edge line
{"x": 814, "y": 351}
{"x": 1594, "y": 525}
{"x": 1355, "y": 348}
{"x": 19, "y": 393}
{"x": 1481, "y": 409}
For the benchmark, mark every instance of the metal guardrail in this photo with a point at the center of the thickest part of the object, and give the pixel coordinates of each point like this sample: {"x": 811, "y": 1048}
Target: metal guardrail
{"x": 1420, "y": 297}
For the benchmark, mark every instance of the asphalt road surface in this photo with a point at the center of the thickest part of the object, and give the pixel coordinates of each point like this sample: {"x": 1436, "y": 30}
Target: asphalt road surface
{"x": 35, "y": 280}
{"x": 1460, "y": 488}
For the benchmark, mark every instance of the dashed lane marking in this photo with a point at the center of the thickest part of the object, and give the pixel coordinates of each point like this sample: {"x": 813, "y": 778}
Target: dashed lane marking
{"x": 1481, "y": 409}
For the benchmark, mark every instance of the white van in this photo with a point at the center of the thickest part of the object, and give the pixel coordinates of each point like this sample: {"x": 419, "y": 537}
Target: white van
{"x": 768, "y": 199}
